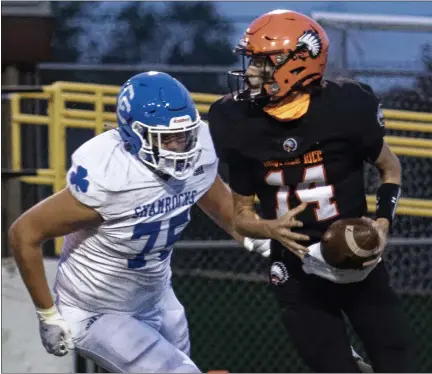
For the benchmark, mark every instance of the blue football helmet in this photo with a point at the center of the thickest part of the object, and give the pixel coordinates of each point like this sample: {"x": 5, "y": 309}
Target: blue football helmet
{"x": 158, "y": 122}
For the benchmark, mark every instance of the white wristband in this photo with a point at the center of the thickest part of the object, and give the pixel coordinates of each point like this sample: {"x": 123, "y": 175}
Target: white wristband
{"x": 48, "y": 314}
{"x": 248, "y": 244}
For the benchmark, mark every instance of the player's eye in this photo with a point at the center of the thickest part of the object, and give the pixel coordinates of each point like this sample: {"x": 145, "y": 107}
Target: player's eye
{"x": 180, "y": 137}
{"x": 259, "y": 64}
{"x": 256, "y": 62}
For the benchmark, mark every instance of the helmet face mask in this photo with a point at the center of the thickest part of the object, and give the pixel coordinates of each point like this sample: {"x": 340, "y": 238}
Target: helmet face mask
{"x": 172, "y": 151}
{"x": 293, "y": 45}
{"x": 257, "y": 72}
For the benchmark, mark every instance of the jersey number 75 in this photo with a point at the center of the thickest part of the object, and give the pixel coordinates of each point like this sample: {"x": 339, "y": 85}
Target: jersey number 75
{"x": 152, "y": 230}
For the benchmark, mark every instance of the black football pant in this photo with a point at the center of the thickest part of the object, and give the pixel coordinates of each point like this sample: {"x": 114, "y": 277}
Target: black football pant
{"x": 312, "y": 314}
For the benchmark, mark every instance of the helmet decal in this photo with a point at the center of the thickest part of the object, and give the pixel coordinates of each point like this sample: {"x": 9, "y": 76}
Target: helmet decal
{"x": 311, "y": 41}
{"x": 123, "y": 104}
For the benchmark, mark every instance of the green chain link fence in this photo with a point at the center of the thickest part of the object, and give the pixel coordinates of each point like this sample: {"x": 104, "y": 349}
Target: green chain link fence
{"x": 233, "y": 317}
{"x": 235, "y": 323}
{"x": 234, "y": 320}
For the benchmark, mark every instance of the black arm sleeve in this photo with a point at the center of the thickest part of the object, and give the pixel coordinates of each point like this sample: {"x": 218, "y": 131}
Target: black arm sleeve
{"x": 240, "y": 170}
{"x": 241, "y": 177}
{"x": 371, "y": 128}
{"x": 218, "y": 123}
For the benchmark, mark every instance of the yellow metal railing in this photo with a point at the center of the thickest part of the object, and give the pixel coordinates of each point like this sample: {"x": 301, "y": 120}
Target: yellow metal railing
{"x": 63, "y": 96}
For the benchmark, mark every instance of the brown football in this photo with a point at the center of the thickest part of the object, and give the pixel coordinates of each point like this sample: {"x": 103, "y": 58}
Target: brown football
{"x": 348, "y": 243}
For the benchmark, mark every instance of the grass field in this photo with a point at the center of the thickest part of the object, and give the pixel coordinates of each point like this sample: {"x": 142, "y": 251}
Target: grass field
{"x": 235, "y": 325}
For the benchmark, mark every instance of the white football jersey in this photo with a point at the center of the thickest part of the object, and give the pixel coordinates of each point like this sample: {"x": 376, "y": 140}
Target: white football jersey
{"x": 314, "y": 263}
{"x": 123, "y": 265}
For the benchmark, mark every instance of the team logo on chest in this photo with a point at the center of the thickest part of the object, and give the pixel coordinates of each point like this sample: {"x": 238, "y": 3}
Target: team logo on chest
{"x": 290, "y": 145}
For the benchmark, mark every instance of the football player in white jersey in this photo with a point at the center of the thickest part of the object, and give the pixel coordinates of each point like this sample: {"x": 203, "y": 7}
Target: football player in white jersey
{"x": 128, "y": 197}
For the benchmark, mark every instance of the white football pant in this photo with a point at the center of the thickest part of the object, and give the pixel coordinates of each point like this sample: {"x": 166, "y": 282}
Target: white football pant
{"x": 154, "y": 341}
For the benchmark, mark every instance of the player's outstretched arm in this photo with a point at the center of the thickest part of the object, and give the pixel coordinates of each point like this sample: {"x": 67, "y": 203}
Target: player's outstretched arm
{"x": 58, "y": 215}
{"x": 248, "y": 223}
{"x": 55, "y": 216}
{"x": 217, "y": 203}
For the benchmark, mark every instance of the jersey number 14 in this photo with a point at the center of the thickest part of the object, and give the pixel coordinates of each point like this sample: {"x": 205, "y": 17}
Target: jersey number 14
{"x": 313, "y": 190}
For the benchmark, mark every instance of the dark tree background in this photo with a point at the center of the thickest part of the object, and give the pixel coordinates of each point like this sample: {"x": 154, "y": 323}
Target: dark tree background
{"x": 69, "y": 26}
{"x": 131, "y": 33}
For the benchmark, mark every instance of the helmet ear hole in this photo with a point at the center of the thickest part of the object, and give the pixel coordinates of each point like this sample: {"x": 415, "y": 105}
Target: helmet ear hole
{"x": 297, "y": 71}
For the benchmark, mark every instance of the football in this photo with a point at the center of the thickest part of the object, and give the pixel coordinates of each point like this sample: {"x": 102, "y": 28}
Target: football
{"x": 348, "y": 243}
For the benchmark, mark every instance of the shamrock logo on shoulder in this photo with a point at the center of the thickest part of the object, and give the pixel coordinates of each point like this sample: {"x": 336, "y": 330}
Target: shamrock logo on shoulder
{"x": 78, "y": 179}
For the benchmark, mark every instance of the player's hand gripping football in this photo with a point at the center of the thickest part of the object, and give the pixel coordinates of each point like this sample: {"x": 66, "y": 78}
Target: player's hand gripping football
{"x": 382, "y": 226}
{"x": 280, "y": 230}
{"x": 54, "y": 331}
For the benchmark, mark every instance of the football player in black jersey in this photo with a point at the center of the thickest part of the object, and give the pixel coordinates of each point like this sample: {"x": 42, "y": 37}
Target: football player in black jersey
{"x": 299, "y": 143}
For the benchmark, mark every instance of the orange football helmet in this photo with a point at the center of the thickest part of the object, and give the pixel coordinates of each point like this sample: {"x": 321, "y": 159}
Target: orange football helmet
{"x": 295, "y": 46}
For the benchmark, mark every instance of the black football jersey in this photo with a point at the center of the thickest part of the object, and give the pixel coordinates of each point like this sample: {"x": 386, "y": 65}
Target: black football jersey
{"x": 318, "y": 158}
